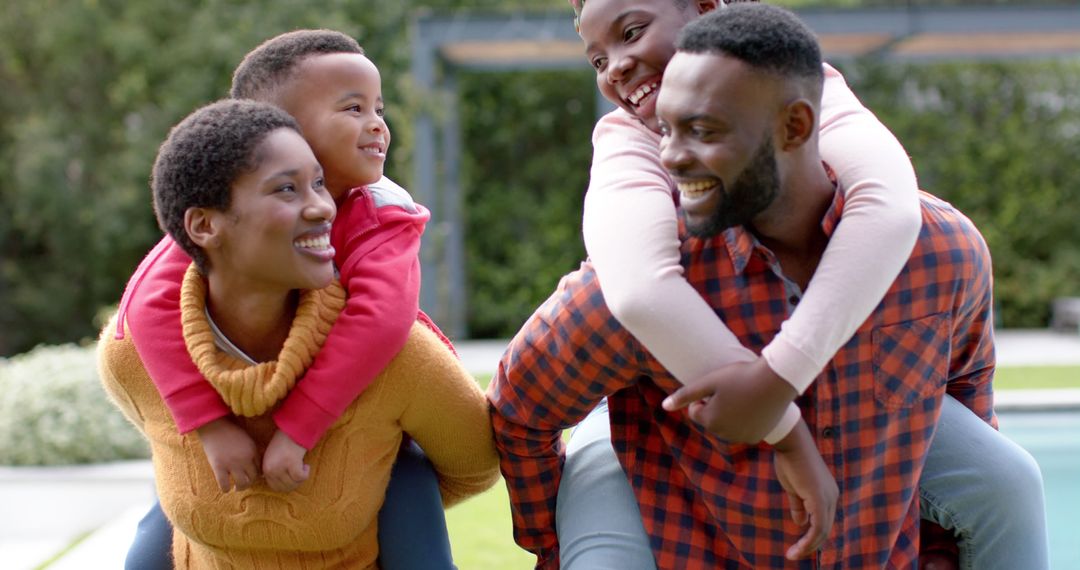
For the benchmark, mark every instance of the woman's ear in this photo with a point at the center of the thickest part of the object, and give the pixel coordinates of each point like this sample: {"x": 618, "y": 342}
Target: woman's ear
{"x": 202, "y": 226}
{"x": 800, "y": 124}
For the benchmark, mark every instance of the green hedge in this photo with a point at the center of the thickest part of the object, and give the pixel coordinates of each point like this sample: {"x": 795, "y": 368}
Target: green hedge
{"x": 91, "y": 87}
{"x": 1000, "y": 141}
{"x": 525, "y": 170}
{"x": 53, "y": 411}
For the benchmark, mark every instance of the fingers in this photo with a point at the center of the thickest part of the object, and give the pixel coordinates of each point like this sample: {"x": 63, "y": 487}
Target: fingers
{"x": 243, "y": 480}
{"x": 798, "y": 510}
{"x": 687, "y": 395}
{"x": 815, "y": 535}
{"x": 299, "y": 473}
{"x": 241, "y": 476}
{"x": 280, "y": 484}
{"x": 222, "y": 476}
{"x": 288, "y": 479}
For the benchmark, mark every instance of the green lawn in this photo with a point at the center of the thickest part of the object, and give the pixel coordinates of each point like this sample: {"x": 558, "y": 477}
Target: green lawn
{"x": 1036, "y": 377}
{"x": 481, "y": 533}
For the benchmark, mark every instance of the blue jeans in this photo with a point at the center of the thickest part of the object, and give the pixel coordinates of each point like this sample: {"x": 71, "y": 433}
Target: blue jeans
{"x": 976, "y": 483}
{"x": 412, "y": 524}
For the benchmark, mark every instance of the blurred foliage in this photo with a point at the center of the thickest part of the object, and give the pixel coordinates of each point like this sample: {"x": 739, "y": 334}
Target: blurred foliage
{"x": 524, "y": 175}
{"x": 89, "y": 88}
{"x": 54, "y": 412}
{"x": 998, "y": 140}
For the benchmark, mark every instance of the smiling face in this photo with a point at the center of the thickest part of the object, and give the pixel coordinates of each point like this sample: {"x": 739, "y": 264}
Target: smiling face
{"x": 276, "y": 232}
{"x": 337, "y": 99}
{"x": 718, "y": 119}
{"x": 629, "y": 44}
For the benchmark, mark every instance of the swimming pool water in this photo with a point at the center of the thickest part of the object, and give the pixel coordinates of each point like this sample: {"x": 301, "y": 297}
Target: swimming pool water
{"x": 1053, "y": 438}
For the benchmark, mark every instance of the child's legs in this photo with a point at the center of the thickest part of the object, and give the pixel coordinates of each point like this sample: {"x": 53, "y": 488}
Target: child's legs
{"x": 412, "y": 523}
{"x": 597, "y": 517}
{"x": 152, "y": 547}
{"x": 987, "y": 490}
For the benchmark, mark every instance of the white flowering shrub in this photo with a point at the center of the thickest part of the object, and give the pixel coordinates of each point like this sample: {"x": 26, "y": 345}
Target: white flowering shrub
{"x": 54, "y": 411}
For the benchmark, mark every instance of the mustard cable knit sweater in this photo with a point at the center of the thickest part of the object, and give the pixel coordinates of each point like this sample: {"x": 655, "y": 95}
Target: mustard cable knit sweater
{"x": 330, "y": 520}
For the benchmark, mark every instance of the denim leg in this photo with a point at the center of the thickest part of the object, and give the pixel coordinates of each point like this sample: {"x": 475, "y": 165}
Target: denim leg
{"x": 152, "y": 547}
{"x": 412, "y": 523}
{"x": 597, "y": 518}
{"x": 987, "y": 490}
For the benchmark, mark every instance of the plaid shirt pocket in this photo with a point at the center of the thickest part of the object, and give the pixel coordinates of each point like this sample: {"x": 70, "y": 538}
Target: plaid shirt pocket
{"x": 911, "y": 360}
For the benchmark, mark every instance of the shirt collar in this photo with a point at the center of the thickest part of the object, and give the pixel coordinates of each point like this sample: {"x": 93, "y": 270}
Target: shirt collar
{"x": 742, "y": 244}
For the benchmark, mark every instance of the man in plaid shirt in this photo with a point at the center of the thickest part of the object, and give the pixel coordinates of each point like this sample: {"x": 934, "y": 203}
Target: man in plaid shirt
{"x": 739, "y": 110}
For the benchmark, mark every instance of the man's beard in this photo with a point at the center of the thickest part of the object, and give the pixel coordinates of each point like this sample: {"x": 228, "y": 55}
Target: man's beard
{"x": 751, "y": 193}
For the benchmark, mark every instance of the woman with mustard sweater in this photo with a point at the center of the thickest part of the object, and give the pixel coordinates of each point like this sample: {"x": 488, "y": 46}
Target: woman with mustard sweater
{"x": 238, "y": 188}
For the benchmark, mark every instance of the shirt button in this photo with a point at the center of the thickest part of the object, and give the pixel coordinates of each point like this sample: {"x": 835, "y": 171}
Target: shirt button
{"x": 794, "y": 299}
{"x": 829, "y": 432}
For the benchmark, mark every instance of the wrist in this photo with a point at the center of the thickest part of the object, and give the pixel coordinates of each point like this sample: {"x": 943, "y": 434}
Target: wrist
{"x": 778, "y": 387}
{"x": 796, "y": 440}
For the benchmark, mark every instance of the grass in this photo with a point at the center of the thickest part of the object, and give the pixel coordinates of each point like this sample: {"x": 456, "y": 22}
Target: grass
{"x": 481, "y": 533}
{"x": 71, "y": 546}
{"x": 1036, "y": 377}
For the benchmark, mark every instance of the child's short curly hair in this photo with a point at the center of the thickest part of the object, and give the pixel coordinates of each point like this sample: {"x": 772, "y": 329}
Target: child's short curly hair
{"x": 267, "y": 67}
{"x": 203, "y": 156}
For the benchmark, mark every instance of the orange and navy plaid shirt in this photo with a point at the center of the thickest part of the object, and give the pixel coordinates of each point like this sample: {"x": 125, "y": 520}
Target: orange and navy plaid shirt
{"x": 706, "y": 503}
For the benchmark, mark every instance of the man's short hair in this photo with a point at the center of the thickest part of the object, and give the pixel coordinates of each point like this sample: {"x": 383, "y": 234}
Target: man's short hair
{"x": 765, "y": 37}
{"x": 267, "y": 67}
{"x": 203, "y": 156}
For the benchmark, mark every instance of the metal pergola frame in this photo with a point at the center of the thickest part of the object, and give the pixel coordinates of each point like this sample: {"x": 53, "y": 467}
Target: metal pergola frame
{"x": 442, "y": 45}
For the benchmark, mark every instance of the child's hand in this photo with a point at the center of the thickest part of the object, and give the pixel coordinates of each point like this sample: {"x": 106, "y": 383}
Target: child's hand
{"x": 811, "y": 489}
{"x": 231, "y": 453}
{"x": 283, "y": 464}
{"x": 740, "y": 402}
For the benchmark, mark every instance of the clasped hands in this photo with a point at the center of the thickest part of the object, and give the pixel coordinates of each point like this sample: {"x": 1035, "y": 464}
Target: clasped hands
{"x": 742, "y": 403}
{"x": 233, "y": 457}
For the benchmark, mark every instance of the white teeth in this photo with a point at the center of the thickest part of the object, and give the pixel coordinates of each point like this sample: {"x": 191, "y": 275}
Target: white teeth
{"x": 696, "y": 188}
{"x": 320, "y": 242}
{"x": 641, "y": 92}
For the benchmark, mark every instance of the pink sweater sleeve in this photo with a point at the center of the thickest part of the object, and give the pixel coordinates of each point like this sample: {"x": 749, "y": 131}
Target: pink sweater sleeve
{"x": 377, "y": 238}
{"x": 631, "y": 233}
{"x": 151, "y": 309}
{"x": 880, "y": 223}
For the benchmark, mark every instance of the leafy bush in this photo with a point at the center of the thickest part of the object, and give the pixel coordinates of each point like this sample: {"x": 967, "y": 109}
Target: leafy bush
{"x": 525, "y": 169}
{"x": 53, "y": 411}
{"x": 999, "y": 140}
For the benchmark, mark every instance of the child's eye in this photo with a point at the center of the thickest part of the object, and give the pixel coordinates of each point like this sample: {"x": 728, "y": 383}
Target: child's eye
{"x": 632, "y": 33}
{"x": 381, "y": 111}
{"x": 599, "y": 63}
{"x": 286, "y": 188}
{"x": 318, "y": 184}
{"x": 354, "y": 109}
{"x": 701, "y": 133}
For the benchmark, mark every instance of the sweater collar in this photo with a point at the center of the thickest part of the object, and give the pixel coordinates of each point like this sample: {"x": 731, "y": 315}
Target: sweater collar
{"x": 252, "y": 390}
